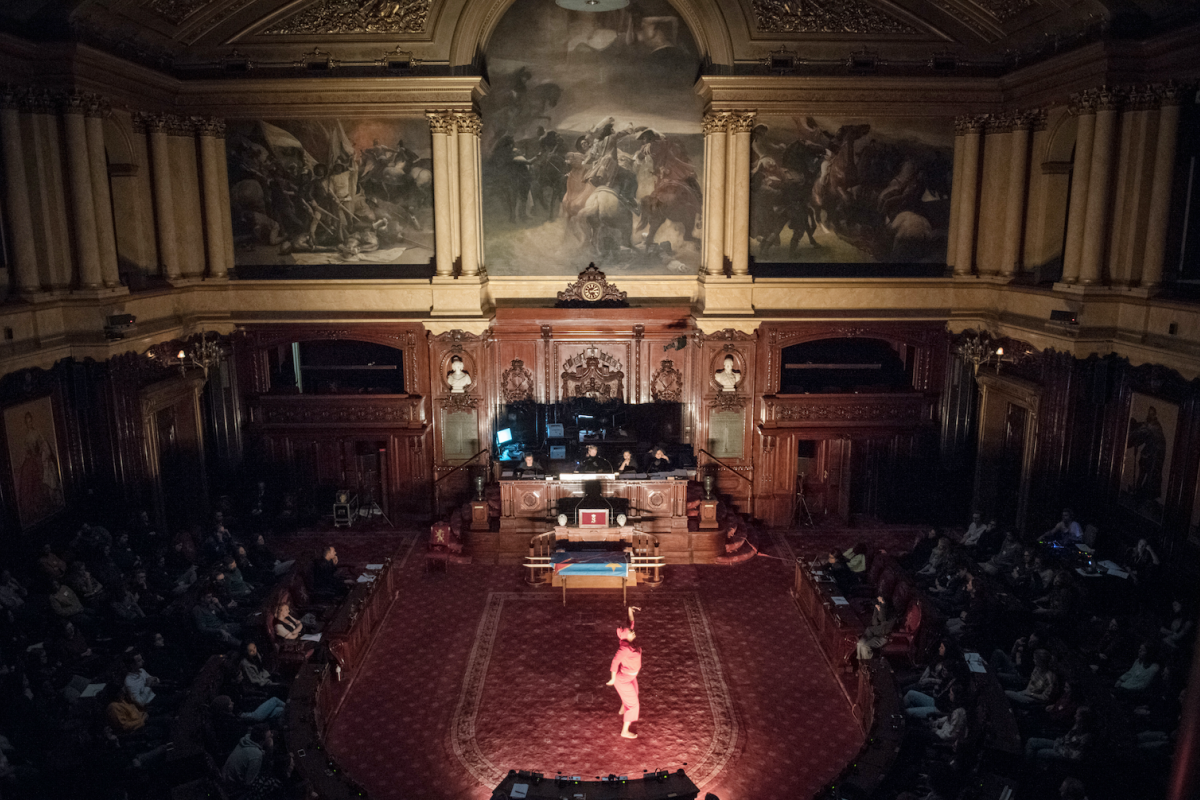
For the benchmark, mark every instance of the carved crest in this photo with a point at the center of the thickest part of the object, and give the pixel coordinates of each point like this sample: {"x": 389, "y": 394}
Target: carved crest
{"x": 516, "y": 384}
{"x": 598, "y": 377}
{"x": 728, "y": 401}
{"x": 666, "y": 385}
{"x": 592, "y": 289}
{"x": 459, "y": 402}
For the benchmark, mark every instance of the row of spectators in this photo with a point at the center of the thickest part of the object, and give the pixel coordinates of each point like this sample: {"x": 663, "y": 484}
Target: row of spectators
{"x": 103, "y": 635}
{"x": 1093, "y": 661}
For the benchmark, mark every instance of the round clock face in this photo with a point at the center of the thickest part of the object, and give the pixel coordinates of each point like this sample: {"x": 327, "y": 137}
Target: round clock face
{"x": 591, "y": 291}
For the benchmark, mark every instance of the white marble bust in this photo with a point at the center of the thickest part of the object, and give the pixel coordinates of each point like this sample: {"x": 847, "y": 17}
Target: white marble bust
{"x": 726, "y": 377}
{"x": 458, "y": 378}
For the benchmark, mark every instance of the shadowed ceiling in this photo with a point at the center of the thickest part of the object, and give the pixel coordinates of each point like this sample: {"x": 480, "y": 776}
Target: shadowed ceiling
{"x": 189, "y": 33}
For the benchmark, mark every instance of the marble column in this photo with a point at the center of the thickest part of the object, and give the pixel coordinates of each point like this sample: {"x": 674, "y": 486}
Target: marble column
{"x": 972, "y": 131}
{"x": 160, "y": 173}
{"x": 45, "y": 177}
{"x": 441, "y": 127}
{"x": 955, "y": 182}
{"x": 1083, "y": 105}
{"x": 469, "y": 127}
{"x": 1014, "y": 213}
{"x": 741, "y": 126}
{"x": 1096, "y": 218}
{"x": 715, "y": 126}
{"x": 106, "y": 234}
{"x": 17, "y": 196}
{"x": 83, "y": 202}
{"x": 210, "y": 131}
{"x": 1170, "y": 96}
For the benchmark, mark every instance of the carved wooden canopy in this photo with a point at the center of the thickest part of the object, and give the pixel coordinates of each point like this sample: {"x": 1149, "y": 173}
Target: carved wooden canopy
{"x": 593, "y": 379}
{"x": 592, "y": 290}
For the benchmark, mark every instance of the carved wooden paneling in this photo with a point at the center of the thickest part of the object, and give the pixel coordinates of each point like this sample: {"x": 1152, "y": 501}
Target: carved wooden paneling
{"x": 854, "y": 411}
{"x": 339, "y": 411}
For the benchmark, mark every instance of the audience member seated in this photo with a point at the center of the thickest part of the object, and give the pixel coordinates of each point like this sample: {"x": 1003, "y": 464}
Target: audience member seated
{"x": 52, "y": 566}
{"x": 327, "y": 585}
{"x": 12, "y": 593}
{"x": 1139, "y": 678}
{"x": 264, "y": 557}
{"x": 141, "y": 684}
{"x": 939, "y": 560}
{"x": 254, "y": 672}
{"x": 224, "y": 728}
{"x": 1066, "y": 531}
{"x": 210, "y": 619}
{"x": 1071, "y": 746}
{"x": 659, "y": 461}
{"x": 86, "y": 588}
{"x": 976, "y": 532}
{"x": 921, "y": 705}
{"x": 875, "y": 636}
{"x": 1008, "y": 557}
{"x": 1142, "y": 563}
{"x": 287, "y": 626}
{"x": 1178, "y": 629}
{"x": 918, "y": 554}
{"x": 1042, "y": 684}
{"x": 247, "y": 769}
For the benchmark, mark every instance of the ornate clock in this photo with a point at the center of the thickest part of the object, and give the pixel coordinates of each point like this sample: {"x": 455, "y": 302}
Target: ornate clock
{"x": 591, "y": 289}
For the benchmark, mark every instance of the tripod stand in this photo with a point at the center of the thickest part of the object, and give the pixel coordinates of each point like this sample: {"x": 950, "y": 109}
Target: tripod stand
{"x": 368, "y": 507}
{"x": 801, "y": 507}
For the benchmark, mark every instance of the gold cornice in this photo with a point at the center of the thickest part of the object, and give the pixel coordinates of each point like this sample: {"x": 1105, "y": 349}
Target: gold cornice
{"x": 361, "y": 97}
{"x": 906, "y": 97}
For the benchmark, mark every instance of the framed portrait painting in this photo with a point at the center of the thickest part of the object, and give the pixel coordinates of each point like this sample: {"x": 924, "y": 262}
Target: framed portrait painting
{"x": 34, "y": 459}
{"x": 1149, "y": 445}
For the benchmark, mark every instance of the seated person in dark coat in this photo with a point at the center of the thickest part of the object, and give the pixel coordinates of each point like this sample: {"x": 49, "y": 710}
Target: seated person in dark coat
{"x": 659, "y": 461}
{"x": 529, "y": 468}
{"x": 627, "y": 463}
{"x": 593, "y": 462}
{"x": 325, "y": 578}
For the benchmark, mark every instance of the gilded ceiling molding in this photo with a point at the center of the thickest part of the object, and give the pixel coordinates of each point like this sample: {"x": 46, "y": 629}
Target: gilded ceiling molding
{"x": 1004, "y": 10}
{"x": 825, "y": 16}
{"x": 355, "y": 16}
{"x": 176, "y": 11}
{"x": 223, "y": 13}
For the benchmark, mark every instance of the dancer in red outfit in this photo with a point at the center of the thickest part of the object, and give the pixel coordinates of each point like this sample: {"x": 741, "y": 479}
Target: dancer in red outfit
{"x": 626, "y": 664}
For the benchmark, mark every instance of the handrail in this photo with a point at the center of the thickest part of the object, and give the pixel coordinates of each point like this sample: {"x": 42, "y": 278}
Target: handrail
{"x": 460, "y": 466}
{"x": 437, "y": 488}
{"x": 726, "y": 466}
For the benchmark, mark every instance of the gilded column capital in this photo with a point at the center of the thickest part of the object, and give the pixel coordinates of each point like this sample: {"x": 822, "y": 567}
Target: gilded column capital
{"x": 1001, "y": 123}
{"x": 213, "y": 127}
{"x": 1028, "y": 120}
{"x": 75, "y": 101}
{"x": 146, "y": 122}
{"x": 1109, "y": 98}
{"x": 715, "y": 122}
{"x": 38, "y": 101}
{"x": 1169, "y": 93}
{"x": 98, "y": 107}
{"x": 742, "y": 121}
{"x": 180, "y": 126}
{"x": 440, "y": 121}
{"x": 1083, "y": 103}
{"x": 970, "y": 123}
{"x": 468, "y": 122}
{"x": 10, "y": 97}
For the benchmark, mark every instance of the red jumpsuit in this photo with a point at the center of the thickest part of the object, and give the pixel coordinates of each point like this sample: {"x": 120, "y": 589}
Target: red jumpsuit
{"x": 627, "y": 663}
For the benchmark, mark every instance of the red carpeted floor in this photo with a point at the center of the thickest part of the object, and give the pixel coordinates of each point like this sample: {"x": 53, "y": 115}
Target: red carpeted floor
{"x": 474, "y": 674}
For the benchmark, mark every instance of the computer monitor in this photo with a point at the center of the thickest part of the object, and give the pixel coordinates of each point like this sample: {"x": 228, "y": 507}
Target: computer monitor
{"x": 558, "y": 452}
{"x": 555, "y": 430}
{"x": 504, "y": 436}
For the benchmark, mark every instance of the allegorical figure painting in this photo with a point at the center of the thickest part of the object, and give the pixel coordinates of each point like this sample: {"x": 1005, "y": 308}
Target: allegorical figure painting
{"x": 850, "y": 191}
{"x": 327, "y": 191}
{"x": 1148, "y": 446}
{"x": 33, "y": 454}
{"x": 592, "y": 150}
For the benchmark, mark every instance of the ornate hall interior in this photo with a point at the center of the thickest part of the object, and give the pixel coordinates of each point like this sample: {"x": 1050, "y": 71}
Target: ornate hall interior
{"x": 855, "y": 342}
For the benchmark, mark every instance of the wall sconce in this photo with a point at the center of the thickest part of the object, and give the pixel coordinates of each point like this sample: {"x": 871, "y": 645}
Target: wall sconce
{"x": 203, "y": 354}
{"x": 981, "y": 350}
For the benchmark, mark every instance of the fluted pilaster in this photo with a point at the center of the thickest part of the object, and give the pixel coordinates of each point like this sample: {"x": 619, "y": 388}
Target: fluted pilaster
{"x": 211, "y": 133}
{"x": 442, "y": 129}
{"x": 968, "y": 192}
{"x": 1083, "y": 105}
{"x": 156, "y": 127}
{"x": 1096, "y": 233}
{"x": 1014, "y": 214}
{"x": 17, "y": 196}
{"x": 715, "y": 127}
{"x": 106, "y": 235}
{"x": 83, "y": 203}
{"x": 1170, "y": 96}
{"x": 469, "y": 126}
{"x": 741, "y": 124}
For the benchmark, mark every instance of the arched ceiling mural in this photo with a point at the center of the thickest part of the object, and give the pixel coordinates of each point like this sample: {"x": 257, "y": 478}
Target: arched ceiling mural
{"x": 191, "y": 33}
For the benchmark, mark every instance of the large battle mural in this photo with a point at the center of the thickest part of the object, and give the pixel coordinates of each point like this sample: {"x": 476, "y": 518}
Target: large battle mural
{"x": 328, "y": 191}
{"x": 592, "y": 149}
{"x": 850, "y": 190}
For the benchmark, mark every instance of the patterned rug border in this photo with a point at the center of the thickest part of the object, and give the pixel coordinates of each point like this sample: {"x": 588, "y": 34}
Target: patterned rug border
{"x": 462, "y": 727}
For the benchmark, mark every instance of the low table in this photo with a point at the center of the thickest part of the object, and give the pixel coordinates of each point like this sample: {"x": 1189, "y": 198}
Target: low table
{"x": 592, "y": 569}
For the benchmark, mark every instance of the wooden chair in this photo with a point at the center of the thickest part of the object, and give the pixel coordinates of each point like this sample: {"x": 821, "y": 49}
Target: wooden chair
{"x": 902, "y": 644}
{"x": 441, "y": 546}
